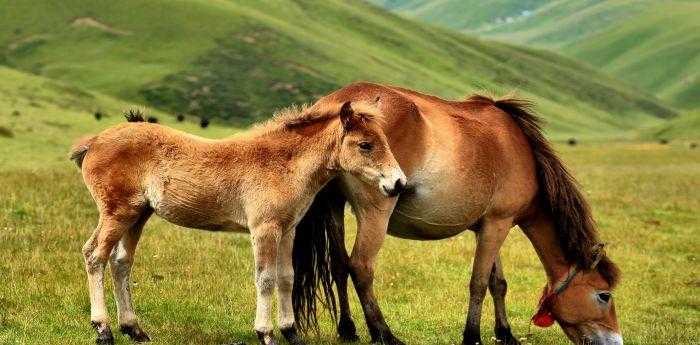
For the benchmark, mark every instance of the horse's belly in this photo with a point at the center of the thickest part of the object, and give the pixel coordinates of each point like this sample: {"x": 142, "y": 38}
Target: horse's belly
{"x": 439, "y": 208}
{"x": 194, "y": 208}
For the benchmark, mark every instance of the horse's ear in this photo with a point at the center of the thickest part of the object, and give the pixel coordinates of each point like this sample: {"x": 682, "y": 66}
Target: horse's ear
{"x": 348, "y": 117}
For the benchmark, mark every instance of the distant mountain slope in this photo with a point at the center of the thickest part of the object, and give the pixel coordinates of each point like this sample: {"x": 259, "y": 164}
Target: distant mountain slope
{"x": 463, "y": 15}
{"x": 239, "y": 61}
{"x": 652, "y": 44}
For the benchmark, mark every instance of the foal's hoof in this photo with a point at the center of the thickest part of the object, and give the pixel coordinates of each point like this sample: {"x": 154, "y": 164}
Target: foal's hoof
{"x": 266, "y": 338}
{"x": 104, "y": 334}
{"x": 504, "y": 336}
{"x": 135, "y": 333}
{"x": 346, "y": 331}
{"x": 290, "y": 334}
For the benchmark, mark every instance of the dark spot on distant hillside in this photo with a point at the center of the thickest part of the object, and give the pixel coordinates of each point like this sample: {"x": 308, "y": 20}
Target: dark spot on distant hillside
{"x": 98, "y": 115}
{"x": 6, "y": 132}
{"x": 204, "y": 122}
{"x": 152, "y": 119}
{"x": 572, "y": 142}
{"x": 16, "y": 113}
{"x": 663, "y": 141}
{"x": 693, "y": 145}
{"x": 57, "y": 124}
{"x": 244, "y": 79}
{"x": 180, "y": 117}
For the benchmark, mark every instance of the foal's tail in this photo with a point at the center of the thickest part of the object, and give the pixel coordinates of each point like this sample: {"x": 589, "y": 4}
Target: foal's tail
{"x": 80, "y": 149}
{"x": 312, "y": 255}
{"x": 560, "y": 195}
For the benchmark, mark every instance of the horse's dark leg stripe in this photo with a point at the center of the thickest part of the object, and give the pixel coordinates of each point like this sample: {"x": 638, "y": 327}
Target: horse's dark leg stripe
{"x": 498, "y": 288}
{"x": 341, "y": 270}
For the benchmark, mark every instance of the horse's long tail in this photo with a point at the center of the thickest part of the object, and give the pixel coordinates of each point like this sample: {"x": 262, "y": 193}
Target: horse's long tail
{"x": 313, "y": 246}
{"x": 560, "y": 194}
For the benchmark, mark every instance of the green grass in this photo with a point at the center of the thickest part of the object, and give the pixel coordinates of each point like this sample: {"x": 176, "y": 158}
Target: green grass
{"x": 197, "y": 286}
{"x": 241, "y": 60}
{"x": 654, "y": 45}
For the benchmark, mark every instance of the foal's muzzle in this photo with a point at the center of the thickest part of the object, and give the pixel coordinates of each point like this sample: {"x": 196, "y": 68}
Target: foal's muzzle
{"x": 392, "y": 184}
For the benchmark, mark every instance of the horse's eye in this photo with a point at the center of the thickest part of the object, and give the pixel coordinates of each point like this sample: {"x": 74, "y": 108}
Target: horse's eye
{"x": 365, "y": 146}
{"x": 604, "y": 297}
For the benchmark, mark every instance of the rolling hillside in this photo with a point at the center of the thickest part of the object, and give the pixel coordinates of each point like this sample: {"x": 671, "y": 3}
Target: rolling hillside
{"x": 652, "y": 44}
{"x": 239, "y": 61}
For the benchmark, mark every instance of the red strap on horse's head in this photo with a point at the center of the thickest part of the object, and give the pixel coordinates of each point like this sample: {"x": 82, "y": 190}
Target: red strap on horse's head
{"x": 543, "y": 317}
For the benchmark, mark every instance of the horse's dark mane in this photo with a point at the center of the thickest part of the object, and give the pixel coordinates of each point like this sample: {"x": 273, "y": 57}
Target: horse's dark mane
{"x": 561, "y": 196}
{"x": 134, "y": 115}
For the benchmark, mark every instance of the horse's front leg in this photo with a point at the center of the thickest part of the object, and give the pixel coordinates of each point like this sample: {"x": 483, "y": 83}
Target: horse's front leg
{"x": 285, "y": 283}
{"x": 489, "y": 240}
{"x": 265, "y": 240}
{"x": 498, "y": 287}
{"x": 372, "y": 221}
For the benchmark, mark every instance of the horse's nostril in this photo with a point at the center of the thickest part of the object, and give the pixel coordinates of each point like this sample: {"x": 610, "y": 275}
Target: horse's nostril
{"x": 398, "y": 186}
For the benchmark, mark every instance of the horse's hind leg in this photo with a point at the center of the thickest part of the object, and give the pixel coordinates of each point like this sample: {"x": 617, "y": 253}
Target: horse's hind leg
{"x": 121, "y": 262}
{"x": 498, "y": 287}
{"x": 340, "y": 266}
{"x": 96, "y": 253}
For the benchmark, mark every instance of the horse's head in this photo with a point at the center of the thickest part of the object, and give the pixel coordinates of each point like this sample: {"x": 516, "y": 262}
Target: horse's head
{"x": 583, "y": 305}
{"x": 364, "y": 151}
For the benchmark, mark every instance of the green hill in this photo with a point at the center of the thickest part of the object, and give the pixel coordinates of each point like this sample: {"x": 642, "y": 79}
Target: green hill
{"x": 239, "y": 61}
{"x": 651, "y": 44}
{"x": 41, "y": 118}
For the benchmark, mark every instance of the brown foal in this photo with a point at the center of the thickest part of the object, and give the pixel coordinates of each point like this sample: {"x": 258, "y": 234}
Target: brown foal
{"x": 262, "y": 181}
{"x": 477, "y": 164}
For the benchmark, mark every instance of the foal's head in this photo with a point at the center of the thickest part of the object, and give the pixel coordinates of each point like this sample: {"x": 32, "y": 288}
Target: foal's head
{"x": 364, "y": 151}
{"x": 585, "y": 308}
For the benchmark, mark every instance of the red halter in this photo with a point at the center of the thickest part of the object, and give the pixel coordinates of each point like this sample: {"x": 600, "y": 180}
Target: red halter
{"x": 543, "y": 317}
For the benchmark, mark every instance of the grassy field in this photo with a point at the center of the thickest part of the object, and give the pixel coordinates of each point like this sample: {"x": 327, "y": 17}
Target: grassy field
{"x": 198, "y": 285}
{"x": 239, "y": 60}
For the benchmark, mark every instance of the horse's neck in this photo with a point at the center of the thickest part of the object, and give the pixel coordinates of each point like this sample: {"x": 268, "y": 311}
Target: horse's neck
{"x": 307, "y": 157}
{"x": 542, "y": 234}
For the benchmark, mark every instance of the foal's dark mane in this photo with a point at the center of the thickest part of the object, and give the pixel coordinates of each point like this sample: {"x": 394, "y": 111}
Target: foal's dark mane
{"x": 561, "y": 196}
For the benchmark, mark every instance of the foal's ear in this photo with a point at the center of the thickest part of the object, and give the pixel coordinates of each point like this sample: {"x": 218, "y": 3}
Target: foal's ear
{"x": 348, "y": 117}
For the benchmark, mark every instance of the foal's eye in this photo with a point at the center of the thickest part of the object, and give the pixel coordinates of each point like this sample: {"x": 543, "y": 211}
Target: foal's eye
{"x": 604, "y": 297}
{"x": 365, "y": 146}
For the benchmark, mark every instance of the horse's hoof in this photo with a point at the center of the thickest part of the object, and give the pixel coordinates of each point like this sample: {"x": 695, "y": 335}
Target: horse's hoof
{"x": 505, "y": 336}
{"x": 388, "y": 339}
{"x": 104, "y": 334}
{"x": 266, "y": 338}
{"x": 135, "y": 333}
{"x": 472, "y": 340}
{"x": 347, "y": 331}
{"x": 290, "y": 334}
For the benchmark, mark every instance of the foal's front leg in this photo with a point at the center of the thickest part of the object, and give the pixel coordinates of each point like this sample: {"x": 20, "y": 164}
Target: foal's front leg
{"x": 285, "y": 283}
{"x": 265, "y": 241}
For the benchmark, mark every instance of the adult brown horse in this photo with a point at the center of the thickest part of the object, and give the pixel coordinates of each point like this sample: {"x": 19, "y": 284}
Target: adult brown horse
{"x": 477, "y": 164}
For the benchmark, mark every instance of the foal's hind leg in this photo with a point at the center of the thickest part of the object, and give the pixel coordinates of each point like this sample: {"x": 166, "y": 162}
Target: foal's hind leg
{"x": 498, "y": 287}
{"x": 96, "y": 252}
{"x": 121, "y": 261}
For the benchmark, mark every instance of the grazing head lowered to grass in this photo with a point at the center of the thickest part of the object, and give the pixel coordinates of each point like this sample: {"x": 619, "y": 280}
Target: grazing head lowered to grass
{"x": 261, "y": 181}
